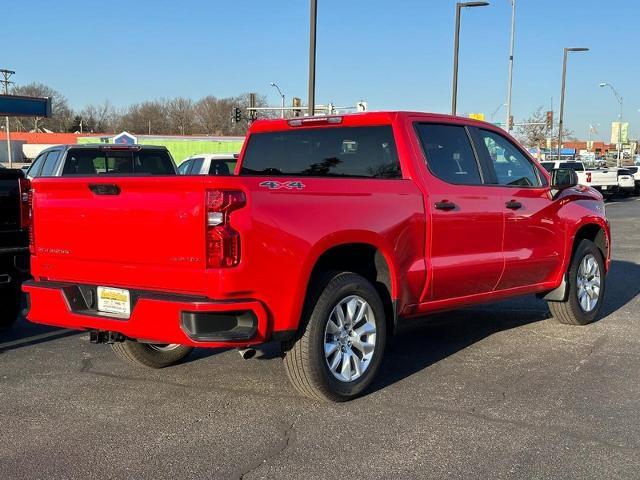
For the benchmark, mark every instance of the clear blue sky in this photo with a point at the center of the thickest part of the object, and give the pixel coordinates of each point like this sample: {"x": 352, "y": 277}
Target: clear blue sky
{"x": 394, "y": 54}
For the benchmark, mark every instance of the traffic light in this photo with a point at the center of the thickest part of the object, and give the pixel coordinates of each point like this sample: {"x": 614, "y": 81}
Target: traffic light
{"x": 510, "y": 122}
{"x": 236, "y": 115}
{"x": 549, "y": 120}
{"x": 297, "y": 103}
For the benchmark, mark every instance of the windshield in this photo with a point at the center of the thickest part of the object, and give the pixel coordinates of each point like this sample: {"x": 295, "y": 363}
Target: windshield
{"x": 88, "y": 161}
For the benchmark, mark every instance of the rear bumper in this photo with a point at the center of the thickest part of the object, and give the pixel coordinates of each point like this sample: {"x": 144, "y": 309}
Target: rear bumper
{"x": 155, "y": 317}
{"x": 606, "y": 189}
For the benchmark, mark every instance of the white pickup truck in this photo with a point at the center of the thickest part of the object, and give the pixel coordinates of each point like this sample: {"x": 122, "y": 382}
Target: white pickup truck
{"x": 604, "y": 180}
{"x": 209, "y": 164}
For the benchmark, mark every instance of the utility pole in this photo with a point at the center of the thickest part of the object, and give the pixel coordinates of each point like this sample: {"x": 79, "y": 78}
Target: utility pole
{"x": 513, "y": 28}
{"x": 312, "y": 55}
{"x": 564, "y": 81}
{"x": 6, "y": 76}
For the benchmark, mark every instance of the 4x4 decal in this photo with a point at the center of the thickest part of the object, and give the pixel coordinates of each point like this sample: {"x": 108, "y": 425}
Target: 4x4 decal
{"x": 276, "y": 185}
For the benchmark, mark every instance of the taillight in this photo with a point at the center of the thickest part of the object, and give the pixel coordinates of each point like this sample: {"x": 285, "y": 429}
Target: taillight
{"x": 223, "y": 242}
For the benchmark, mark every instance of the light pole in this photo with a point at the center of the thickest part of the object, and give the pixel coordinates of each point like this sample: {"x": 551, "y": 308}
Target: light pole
{"x": 313, "y": 15}
{"x": 564, "y": 81}
{"x": 456, "y": 48}
{"x": 275, "y": 85}
{"x": 509, "y": 85}
{"x": 6, "y": 75}
{"x": 619, "y": 98}
{"x": 493, "y": 114}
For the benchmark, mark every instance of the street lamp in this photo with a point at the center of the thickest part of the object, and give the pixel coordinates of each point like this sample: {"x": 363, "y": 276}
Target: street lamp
{"x": 619, "y": 98}
{"x": 564, "y": 80}
{"x": 456, "y": 48}
{"x": 275, "y": 85}
{"x": 313, "y": 17}
{"x": 512, "y": 42}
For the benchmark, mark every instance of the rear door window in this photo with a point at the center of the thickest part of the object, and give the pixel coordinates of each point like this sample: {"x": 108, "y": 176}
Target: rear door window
{"x": 449, "y": 153}
{"x": 36, "y": 166}
{"x": 184, "y": 167}
{"x": 357, "y": 152}
{"x": 87, "y": 161}
{"x": 50, "y": 162}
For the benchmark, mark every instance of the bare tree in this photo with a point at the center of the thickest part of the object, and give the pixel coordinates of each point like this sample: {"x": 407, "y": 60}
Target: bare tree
{"x": 146, "y": 117}
{"x": 61, "y": 114}
{"x": 181, "y": 115}
{"x": 211, "y": 117}
{"x": 534, "y": 133}
{"x": 98, "y": 118}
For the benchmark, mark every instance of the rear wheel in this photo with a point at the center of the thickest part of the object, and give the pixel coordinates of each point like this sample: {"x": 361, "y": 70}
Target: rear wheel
{"x": 342, "y": 339}
{"x": 150, "y": 355}
{"x": 586, "y": 287}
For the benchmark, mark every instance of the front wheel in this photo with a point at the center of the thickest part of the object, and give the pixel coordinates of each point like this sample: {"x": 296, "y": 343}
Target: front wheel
{"x": 150, "y": 355}
{"x": 342, "y": 339}
{"x": 586, "y": 285}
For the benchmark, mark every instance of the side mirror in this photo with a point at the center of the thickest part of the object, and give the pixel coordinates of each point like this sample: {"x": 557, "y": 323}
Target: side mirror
{"x": 562, "y": 178}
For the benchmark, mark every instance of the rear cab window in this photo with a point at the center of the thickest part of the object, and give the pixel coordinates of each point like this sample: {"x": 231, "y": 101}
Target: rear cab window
{"x": 222, "y": 167}
{"x": 89, "y": 161}
{"x": 354, "y": 152}
{"x": 577, "y": 166}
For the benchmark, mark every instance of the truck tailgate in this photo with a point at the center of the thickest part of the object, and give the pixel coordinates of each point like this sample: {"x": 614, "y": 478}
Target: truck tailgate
{"x": 136, "y": 232}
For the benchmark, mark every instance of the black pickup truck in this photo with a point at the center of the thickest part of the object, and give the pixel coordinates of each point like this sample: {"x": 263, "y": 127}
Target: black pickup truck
{"x": 14, "y": 242}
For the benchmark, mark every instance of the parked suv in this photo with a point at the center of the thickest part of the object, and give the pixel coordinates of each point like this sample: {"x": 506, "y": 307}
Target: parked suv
{"x": 335, "y": 231}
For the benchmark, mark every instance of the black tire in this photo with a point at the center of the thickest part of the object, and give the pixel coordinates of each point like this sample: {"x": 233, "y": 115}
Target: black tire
{"x": 570, "y": 311}
{"x": 10, "y": 302}
{"x": 145, "y": 355}
{"x": 304, "y": 358}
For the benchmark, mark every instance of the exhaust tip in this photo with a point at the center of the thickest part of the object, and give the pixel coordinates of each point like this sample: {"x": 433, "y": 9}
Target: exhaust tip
{"x": 247, "y": 353}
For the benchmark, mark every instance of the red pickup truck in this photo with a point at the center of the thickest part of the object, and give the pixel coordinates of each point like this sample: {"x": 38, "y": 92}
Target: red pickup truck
{"x": 332, "y": 232}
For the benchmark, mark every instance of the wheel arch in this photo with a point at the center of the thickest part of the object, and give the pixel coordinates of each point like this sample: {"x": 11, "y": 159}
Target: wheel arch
{"x": 366, "y": 258}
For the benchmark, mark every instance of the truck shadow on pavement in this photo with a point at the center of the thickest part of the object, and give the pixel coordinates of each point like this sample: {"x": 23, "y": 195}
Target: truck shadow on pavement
{"x": 24, "y": 334}
{"x": 428, "y": 340}
{"x": 623, "y": 285}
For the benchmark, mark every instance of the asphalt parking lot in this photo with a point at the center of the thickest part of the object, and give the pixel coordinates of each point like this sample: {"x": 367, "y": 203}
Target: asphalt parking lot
{"x": 499, "y": 391}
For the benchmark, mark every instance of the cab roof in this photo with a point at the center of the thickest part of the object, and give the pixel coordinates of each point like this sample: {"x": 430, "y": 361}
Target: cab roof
{"x": 361, "y": 119}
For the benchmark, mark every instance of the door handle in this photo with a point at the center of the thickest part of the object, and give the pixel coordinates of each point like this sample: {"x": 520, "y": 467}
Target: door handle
{"x": 445, "y": 205}
{"x": 513, "y": 205}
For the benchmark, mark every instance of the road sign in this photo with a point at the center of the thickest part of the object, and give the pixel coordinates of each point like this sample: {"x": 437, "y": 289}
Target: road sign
{"x": 477, "y": 116}
{"x": 125, "y": 138}
{"x": 616, "y": 135}
{"x": 19, "y": 106}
